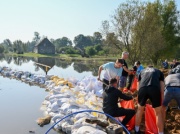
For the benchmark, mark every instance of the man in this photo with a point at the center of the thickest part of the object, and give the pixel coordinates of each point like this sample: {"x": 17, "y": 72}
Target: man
{"x": 125, "y": 71}
{"x": 150, "y": 86}
{"x": 172, "y": 90}
{"x": 174, "y": 64}
{"x": 112, "y": 70}
{"x": 111, "y": 96}
{"x": 139, "y": 67}
{"x": 165, "y": 64}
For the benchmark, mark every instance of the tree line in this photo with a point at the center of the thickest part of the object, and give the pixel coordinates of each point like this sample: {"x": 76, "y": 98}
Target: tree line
{"x": 147, "y": 30}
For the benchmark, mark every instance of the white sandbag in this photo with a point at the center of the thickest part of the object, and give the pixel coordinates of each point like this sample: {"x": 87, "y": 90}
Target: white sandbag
{"x": 55, "y": 107}
{"x": 80, "y": 116}
{"x": 62, "y": 100}
{"x": 66, "y": 127}
{"x": 91, "y": 87}
{"x": 54, "y": 92}
{"x": 53, "y": 100}
{"x": 88, "y": 130}
{"x": 99, "y": 93}
{"x": 65, "y": 106}
{"x": 52, "y": 114}
{"x": 71, "y": 109}
{"x": 57, "y": 116}
{"x": 48, "y": 82}
{"x": 81, "y": 84}
{"x": 58, "y": 96}
{"x": 73, "y": 80}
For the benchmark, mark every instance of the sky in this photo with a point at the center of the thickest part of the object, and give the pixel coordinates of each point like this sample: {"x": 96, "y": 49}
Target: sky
{"x": 19, "y": 19}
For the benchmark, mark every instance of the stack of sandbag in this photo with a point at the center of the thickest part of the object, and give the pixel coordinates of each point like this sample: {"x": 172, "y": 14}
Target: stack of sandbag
{"x": 67, "y": 96}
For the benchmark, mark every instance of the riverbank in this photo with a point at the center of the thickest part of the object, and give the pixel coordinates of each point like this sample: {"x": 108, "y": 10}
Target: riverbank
{"x": 73, "y": 57}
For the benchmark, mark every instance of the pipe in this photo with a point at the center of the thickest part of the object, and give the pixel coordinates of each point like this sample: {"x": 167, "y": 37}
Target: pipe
{"x": 89, "y": 111}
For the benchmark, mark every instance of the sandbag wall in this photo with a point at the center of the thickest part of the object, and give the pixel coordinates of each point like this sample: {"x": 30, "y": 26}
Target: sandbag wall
{"x": 67, "y": 96}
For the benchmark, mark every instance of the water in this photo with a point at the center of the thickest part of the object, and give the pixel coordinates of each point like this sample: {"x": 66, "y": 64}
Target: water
{"x": 20, "y": 103}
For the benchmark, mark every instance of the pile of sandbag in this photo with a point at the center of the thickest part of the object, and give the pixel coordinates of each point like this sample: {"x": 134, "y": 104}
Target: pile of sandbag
{"x": 67, "y": 96}
{"x": 64, "y": 100}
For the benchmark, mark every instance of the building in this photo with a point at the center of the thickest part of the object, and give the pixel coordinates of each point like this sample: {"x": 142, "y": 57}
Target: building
{"x": 44, "y": 46}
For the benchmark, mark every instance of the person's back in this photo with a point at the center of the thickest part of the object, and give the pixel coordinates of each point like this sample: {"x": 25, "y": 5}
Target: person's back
{"x": 150, "y": 77}
{"x": 111, "y": 95}
{"x": 173, "y": 80}
{"x": 110, "y": 100}
{"x": 151, "y": 86}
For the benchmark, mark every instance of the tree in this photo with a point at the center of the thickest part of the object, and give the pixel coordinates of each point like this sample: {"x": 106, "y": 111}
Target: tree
{"x": 62, "y": 42}
{"x": 147, "y": 35}
{"x": 105, "y": 28}
{"x": 148, "y": 31}
{"x": 18, "y": 46}
{"x": 1, "y": 49}
{"x": 171, "y": 27}
{"x": 36, "y": 37}
{"x": 7, "y": 45}
{"x": 125, "y": 18}
{"x": 82, "y": 41}
{"x": 97, "y": 38}
{"x": 98, "y": 47}
{"x": 156, "y": 33}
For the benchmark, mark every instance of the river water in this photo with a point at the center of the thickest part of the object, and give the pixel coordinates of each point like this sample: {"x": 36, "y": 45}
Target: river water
{"x": 21, "y": 103}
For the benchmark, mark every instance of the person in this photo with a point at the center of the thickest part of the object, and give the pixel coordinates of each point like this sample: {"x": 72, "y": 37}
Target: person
{"x": 130, "y": 79}
{"x": 150, "y": 86}
{"x": 112, "y": 70}
{"x": 172, "y": 88}
{"x": 139, "y": 67}
{"x": 165, "y": 64}
{"x": 125, "y": 71}
{"x": 174, "y": 64}
{"x": 111, "y": 95}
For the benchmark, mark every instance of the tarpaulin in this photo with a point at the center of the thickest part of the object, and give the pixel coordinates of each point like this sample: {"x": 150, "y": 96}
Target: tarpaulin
{"x": 134, "y": 84}
{"x": 150, "y": 120}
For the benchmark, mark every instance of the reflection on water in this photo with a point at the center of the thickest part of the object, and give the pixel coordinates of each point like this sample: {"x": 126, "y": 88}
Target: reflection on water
{"x": 20, "y": 107}
{"x": 45, "y": 63}
{"x": 56, "y": 66}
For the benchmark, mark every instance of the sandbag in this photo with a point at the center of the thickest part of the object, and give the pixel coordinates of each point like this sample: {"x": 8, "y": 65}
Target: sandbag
{"x": 150, "y": 120}
{"x": 88, "y": 130}
{"x": 128, "y": 105}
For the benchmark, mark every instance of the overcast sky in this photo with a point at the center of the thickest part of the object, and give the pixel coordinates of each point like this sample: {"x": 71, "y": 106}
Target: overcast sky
{"x": 19, "y": 19}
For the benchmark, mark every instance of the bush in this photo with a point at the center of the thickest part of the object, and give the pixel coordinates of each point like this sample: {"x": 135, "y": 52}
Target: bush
{"x": 90, "y": 51}
{"x": 98, "y": 47}
{"x": 101, "y": 53}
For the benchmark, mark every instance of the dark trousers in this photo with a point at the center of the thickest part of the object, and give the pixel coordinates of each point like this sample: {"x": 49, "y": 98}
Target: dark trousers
{"x": 129, "y": 81}
{"x": 128, "y": 113}
{"x": 105, "y": 83}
